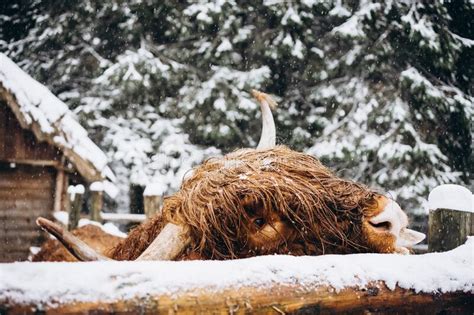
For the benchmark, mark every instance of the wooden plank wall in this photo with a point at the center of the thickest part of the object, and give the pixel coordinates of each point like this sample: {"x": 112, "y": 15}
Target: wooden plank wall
{"x": 20, "y": 144}
{"x": 26, "y": 191}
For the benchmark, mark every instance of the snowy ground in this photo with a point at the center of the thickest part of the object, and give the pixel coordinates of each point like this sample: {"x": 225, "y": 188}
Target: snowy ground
{"x": 51, "y": 283}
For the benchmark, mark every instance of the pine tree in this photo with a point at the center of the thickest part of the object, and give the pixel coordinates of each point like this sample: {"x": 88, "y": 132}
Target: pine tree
{"x": 379, "y": 90}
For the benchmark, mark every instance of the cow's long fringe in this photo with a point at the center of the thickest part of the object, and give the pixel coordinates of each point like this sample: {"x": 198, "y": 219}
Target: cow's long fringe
{"x": 325, "y": 210}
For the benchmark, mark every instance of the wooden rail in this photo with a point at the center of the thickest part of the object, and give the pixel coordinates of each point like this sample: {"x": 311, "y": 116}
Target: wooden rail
{"x": 122, "y": 217}
{"x": 276, "y": 299}
{"x": 152, "y": 206}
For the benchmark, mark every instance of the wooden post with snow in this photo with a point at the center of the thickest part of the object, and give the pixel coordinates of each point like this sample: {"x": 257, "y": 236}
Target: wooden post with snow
{"x": 451, "y": 217}
{"x": 153, "y": 197}
{"x": 75, "y": 195}
{"x": 97, "y": 200}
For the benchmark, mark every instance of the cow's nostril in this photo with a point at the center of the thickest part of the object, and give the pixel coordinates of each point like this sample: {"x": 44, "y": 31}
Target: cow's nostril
{"x": 382, "y": 226}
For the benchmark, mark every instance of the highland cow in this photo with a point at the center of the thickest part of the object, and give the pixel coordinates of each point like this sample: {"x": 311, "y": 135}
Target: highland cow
{"x": 269, "y": 200}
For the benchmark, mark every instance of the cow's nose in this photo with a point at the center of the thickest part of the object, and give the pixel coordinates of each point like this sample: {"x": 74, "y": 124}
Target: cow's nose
{"x": 392, "y": 219}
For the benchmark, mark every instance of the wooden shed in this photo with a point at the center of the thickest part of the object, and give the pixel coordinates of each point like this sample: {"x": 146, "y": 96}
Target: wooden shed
{"x": 42, "y": 150}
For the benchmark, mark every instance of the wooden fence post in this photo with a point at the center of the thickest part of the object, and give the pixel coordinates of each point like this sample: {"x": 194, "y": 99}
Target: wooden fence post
{"x": 58, "y": 191}
{"x": 75, "y": 195}
{"x": 450, "y": 218}
{"x": 97, "y": 200}
{"x": 153, "y": 197}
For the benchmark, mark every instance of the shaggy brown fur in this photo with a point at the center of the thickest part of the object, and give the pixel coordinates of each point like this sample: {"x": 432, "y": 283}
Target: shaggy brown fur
{"x": 102, "y": 242}
{"x": 254, "y": 202}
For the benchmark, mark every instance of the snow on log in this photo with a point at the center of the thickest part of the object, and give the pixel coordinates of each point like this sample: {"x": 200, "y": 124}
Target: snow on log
{"x": 452, "y": 197}
{"x": 106, "y": 186}
{"x": 428, "y": 283}
{"x": 75, "y": 196}
{"x": 451, "y": 217}
{"x": 152, "y": 198}
{"x": 154, "y": 189}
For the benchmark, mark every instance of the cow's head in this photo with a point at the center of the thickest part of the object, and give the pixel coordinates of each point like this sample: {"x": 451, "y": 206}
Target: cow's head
{"x": 255, "y": 202}
{"x": 265, "y": 201}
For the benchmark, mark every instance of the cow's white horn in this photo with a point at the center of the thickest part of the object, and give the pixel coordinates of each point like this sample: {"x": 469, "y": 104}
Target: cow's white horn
{"x": 74, "y": 245}
{"x": 171, "y": 242}
{"x": 268, "y": 136}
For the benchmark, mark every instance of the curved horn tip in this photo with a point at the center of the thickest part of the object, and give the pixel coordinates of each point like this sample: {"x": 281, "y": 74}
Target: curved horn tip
{"x": 73, "y": 244}
{"x": 40, "y": 221}
{"x": 256, "y": 93}
{"x": 262, "y": 97}
{"x": 268, "y": 135}
{"x": 49, "y": 226}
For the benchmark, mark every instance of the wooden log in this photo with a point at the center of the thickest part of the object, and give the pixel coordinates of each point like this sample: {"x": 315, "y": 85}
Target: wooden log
{"x": 472, "y": 224}
{"x": 153, "y": 199}
{"x": 97, "y": 200}
{"x": 450, "y": 219}
{"x": 58, "y": 192}
{"x": 14, "y": 255}
{"x": 75, "y": 195}
{"x": 66, "y": 202}
{"x": 276, "y": 299}
{"x": 18, "y": 183}
{"x": 152, "y": 205}
{"x": 34, "y": 162}
{"x": 448, "y": 229}
{"x": 366, "y": 283}
{"x": 22, "y": 213}
{"x": 12, "y": 235}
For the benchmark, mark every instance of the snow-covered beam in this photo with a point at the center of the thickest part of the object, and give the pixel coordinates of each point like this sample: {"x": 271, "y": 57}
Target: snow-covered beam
{"x": 428, "y": 283}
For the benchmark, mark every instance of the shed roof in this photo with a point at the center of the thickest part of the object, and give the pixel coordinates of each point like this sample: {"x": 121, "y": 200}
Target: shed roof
{"x": 39, "y": 110}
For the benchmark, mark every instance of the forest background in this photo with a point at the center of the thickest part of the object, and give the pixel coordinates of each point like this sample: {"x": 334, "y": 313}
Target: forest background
{"x": 380, "y": 91}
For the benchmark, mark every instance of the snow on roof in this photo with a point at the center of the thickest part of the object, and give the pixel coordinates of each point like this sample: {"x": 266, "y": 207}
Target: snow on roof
{"x": 39, "y": 284}
{"x": 50, "y": 119}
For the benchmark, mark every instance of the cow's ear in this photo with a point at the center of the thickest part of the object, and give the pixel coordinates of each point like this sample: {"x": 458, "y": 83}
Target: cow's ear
{"x": 408, "y": 238}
